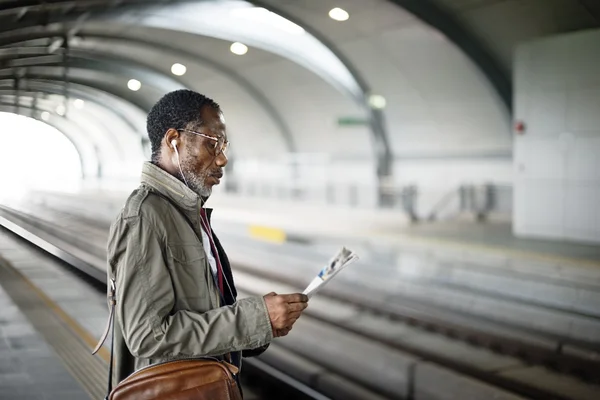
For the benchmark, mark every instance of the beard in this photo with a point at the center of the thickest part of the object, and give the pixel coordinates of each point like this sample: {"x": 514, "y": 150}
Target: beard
{"x": 196, "y": 182}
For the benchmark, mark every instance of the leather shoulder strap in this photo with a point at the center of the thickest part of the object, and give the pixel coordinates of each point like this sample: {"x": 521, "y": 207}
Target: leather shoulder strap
{"x": 112, "y": 301}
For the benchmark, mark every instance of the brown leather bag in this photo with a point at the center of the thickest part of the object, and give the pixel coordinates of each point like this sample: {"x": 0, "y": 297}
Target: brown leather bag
{"x": 189, "y": 379}
{"x": 180, "y": 380}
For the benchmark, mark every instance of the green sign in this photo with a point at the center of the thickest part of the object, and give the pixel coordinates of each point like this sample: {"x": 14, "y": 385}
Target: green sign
{"x": 352, "y": 121}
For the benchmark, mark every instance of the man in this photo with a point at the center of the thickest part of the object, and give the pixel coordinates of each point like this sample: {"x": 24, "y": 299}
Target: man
{"x": 175, "y": 295}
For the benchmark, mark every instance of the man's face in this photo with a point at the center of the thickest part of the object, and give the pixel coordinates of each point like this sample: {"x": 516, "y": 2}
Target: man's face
{"x": 201, "y": 168}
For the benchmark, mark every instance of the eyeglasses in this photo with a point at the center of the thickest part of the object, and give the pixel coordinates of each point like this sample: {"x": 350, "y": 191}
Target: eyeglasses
{"x": 220, "y": 146}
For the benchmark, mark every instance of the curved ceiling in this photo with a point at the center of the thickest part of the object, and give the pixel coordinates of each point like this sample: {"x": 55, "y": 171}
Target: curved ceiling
{"x": 255, "y": 26}
{"x": 443, "y": 67}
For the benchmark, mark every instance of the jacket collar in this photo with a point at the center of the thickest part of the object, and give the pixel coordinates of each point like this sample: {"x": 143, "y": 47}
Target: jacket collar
{"x": 170, "y": 187}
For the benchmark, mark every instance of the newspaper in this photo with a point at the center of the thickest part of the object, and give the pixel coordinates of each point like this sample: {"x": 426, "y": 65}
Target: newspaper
{"x": 341, "y": 260}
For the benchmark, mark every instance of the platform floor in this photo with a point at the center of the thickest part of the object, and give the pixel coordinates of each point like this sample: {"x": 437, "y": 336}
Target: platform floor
{"x": 346, "y": 225}
{"x": 50, "y": 320}
{"x": 499, "y": 236}
{"x": 58, "y": 319}
{"x": 391, "y": 226}
{"x": 30, "y": 369}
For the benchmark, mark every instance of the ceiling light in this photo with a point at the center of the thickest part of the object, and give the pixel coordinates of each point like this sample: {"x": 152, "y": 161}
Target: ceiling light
{"x": 45, "y": 115}
{"x": 377, "y": 101}
{"x": 238, "y": 48}
{"x": 134, "y": 85}
{"x": 338, "y": 14}
{"x": 178, "y": 69}
{"x": 61, "y": 110}
{"x": 79, "y": 104}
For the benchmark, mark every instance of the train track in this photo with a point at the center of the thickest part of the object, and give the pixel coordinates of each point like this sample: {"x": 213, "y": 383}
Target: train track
{"x": 529, "y": 353}
{"x": 579, "y": 367}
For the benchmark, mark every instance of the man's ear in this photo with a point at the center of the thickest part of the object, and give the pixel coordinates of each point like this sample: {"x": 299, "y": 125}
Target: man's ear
{"x": 171, "y": 136}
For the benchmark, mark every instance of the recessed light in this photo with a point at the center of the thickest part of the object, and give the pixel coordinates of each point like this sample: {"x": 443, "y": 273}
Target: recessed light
{"x": 238, "y": 48}
{"x": 79, "y": 104}
{"x": 61, "y": 110}
{"x": 178, "y": 69}
{"x": 377, "y": 101}
{"x": 134, "y": 85}
{"x": 339, "y": 14}
{"x": 45, "y": 115}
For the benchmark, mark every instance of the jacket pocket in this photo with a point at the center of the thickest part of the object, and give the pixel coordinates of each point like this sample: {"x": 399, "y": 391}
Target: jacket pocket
{"x": 185, "y": 253}
{"x": 188, "y": 265}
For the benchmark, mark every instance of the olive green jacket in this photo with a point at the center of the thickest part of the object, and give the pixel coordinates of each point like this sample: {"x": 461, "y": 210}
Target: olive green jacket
{"x": 167, "y": 304}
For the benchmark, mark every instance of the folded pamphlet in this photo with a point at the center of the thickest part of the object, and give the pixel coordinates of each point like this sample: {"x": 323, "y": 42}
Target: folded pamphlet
{"x": 341, "y": 260}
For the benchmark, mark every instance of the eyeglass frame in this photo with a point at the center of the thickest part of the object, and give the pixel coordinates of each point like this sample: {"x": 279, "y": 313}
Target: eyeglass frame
{"x": 217, "y": 153}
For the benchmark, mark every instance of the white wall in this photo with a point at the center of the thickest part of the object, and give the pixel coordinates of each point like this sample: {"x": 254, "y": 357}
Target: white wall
{"x": 443, "y": 116}
{"x": 557, "y": 160}
{"x": 353, "y": 181}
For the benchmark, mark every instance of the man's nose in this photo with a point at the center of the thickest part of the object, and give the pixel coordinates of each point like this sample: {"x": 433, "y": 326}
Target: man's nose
{"x": 222, "y": 160}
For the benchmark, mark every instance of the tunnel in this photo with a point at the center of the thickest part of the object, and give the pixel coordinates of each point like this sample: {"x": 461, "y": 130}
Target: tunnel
{"x": 321, "y": 199}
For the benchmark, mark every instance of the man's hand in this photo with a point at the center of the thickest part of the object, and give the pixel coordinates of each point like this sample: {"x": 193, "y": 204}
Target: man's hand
{"x": 284, "y": 310}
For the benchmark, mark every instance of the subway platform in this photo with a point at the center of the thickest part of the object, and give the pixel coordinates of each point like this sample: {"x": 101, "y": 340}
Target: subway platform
{"x": 44, "y": 348}
{"x": 452, "y": 310}
{"x": 50, "y": 319}
{"x": 29, "y": 368}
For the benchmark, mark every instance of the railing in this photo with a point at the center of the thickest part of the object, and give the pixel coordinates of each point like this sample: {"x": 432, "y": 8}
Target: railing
{"x": 418, "y": 203}
{"x": 478, "y": 201}
{"x": 348, "y": 195}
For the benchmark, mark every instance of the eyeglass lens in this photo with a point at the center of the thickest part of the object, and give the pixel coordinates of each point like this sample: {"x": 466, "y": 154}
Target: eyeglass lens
{"x": 221, "y": 146}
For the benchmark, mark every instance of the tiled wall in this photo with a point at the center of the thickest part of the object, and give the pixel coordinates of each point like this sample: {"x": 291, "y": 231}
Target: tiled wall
{"x": 557, "y": 159}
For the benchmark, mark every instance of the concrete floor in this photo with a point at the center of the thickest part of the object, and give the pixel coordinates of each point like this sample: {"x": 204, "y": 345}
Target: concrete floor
{"x": 499, "y": 235}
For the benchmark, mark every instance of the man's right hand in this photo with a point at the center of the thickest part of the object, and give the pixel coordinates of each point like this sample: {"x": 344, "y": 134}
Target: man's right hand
{"x": 284, "y": 310}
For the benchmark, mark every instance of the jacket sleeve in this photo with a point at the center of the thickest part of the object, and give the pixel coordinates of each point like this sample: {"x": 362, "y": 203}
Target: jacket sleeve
{"x": 255, "y": 352}
{"x": 145, "y": 300}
